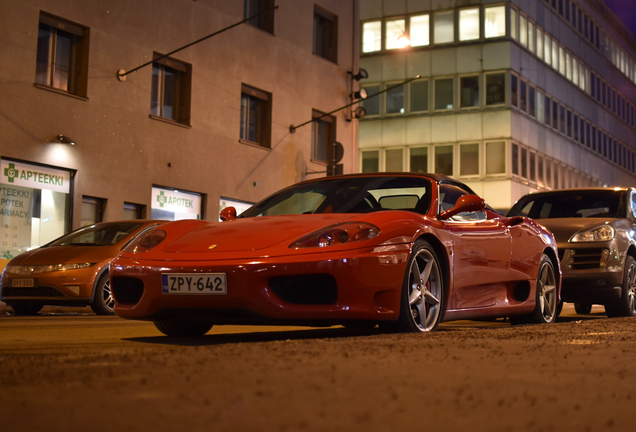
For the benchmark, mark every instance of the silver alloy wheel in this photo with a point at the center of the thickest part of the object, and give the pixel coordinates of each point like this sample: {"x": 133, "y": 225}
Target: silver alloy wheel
{"x": 425, "y": 289}
{"x": 631, "y": 288}
{"x": 107, "y": 296}
{"x": 547, "y": 293}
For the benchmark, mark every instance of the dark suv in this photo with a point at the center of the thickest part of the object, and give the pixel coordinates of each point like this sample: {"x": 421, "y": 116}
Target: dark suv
{"x": 594, "y": 229}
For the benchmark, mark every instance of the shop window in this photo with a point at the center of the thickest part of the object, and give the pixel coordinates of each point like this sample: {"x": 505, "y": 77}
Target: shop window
{"x": 170, "y": 94}
{"x": 444, "y": 94}
{"x": 371, "y": 104}
{"x": 514, "y": 32}
{"x": 395, "y": 34}
{"x": 256, "y": 116}
{"x": 469, "y": 91}
{"x": 539, "y": 42}
{"x": 62, "y": 55}
{"x": 468, "y": 24}
{"x": 495, "y": 21}
{"x": 264, "y": 21}
{"x": 495, "y": 89}
{"x": 515, "y": 159}
{"x": 395, "y": 99}
{"x": 325, "y": 34}
{"x": 496, "y": 157}
{"x": 92, "y": 210}
{"x": 419, "y": 30}
{"x": 371, "y": 36}
{"x": 419, "y": 95}
{"x": 531, "y": 38}
{"x": 523, "y": 96}
{"x": 323, "y": 134}
{"x": 370, "y": 161}
{"x": 523, "y": 30}
{"x": 469, "y": 160}
{"x": 514, "y": 90}
{"x": 444, "y": 27}
{"x": 134, "y": 211}
{"x": 394, "y": 160}
{"x": 172, "y": 204}
{"x": 37, "y": 208}
{"x": 418, "y": 159}
{"x": 444, "y": 160}
{"x": 540, "y": 111}
{"x": 532, "y": 91}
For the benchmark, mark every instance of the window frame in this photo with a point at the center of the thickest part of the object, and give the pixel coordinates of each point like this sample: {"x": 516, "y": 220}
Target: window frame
{"x": 264, "y": 117}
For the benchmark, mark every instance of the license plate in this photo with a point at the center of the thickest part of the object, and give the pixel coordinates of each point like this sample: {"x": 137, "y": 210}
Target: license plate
{"x": 23, "y": 283}
{"x": 199, "y": 283}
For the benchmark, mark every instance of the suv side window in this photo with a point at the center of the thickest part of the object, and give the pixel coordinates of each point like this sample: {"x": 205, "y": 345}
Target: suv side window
{"x": 448, "y": 196}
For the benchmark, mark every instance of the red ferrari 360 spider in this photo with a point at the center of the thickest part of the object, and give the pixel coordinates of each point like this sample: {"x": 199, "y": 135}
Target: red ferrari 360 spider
{"x": 405, "y": 251}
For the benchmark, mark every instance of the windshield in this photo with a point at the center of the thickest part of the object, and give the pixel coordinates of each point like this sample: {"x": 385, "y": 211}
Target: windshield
{"x": 97, "y": 235}
{"x": 570, "y": 204}
{"x": 347, "y": 195}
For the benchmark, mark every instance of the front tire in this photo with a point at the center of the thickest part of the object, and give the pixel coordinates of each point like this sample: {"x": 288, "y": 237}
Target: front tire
{"x": 26, "y": 309}
{"x": 422, "y": 299}
{"x": 103, "y": 301}
{"x": 545, "y": 311}
{"x": 626, "y": 306}
{"x": 182, "y": 328}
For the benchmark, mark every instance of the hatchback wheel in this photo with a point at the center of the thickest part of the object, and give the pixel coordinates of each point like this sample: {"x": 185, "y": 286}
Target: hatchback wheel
{"x": 103, "y": 301}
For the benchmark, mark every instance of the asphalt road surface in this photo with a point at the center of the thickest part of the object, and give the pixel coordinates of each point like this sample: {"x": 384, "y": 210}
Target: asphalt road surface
{"x": 69, "y": 370}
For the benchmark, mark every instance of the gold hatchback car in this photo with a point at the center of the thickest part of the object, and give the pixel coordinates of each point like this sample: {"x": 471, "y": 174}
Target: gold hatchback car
{"x": 69, "y": 271}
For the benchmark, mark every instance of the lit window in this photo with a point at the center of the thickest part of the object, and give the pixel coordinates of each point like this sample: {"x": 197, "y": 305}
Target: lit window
{"x": 469, "y": 159}
{"x": 469, "y": 91}
{"x": 395, "y": 34}
{"x": 419, "y": 159}
{"x": 523, "y": 31}
{"x": 419, "y": 95}
{"x": 561, "y": 60}
{"x": 469, "y": 24}
{"x": 170, "y": 94}
{"x": 495, "y": 21}
{"x": 555, "y": 54}
{"x": 513, "y": 24}
{"x": 539, "y": 43}
{"x": 371, "y": 36}
{"x": 495, "y": 89}
{"x": 323, "y": 134}
{"x": 62, "y": 55}
{"x": 371, "y": 104}
{"x": 419, "y": 30}
{"x": 444, "y": 28}
{"x": 496, "y": 158}
{"x": 370, "y": 161}
{"x": 568, "y": 66}
{"x": 547, "y": 49}
{"x": 325, "y": 34}
{"x": 256, "y": 116}
{"x": 575, "y": 71}
{"x": 395, "y": 100}
{"x": 444, "y": 160}
{"x": 394, "y": 160}
{"x": 444, "y": 94}
{"x": 540, "y": 106}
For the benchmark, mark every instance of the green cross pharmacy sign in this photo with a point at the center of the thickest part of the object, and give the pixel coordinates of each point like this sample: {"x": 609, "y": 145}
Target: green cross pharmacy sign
{"x": 176, "y": 201}
{"x": 34, "y": 176}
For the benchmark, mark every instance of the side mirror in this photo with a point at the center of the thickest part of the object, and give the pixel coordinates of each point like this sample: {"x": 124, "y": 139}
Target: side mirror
{"x": 465, "y": 203}
{"x": 227, "y": 214}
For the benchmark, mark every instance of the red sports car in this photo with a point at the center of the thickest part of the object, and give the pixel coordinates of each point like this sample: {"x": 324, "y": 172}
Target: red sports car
{"x": 405, "y": 251}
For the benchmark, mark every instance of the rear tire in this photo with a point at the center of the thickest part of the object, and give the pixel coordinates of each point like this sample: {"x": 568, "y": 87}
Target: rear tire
{"x": 103, "y": 301}
{"x": 182, "y": 328}
{"x": 545, "y": 310}
{"x": 422, "y": 298}
{"x": 583, "y": 308}
{"x": 26, "y": 309}
{"x": 626, "y": 306}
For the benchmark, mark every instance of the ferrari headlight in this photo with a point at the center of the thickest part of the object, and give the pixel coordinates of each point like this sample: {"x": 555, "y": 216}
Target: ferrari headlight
{"x": 35, "y": 269}
{"x": 338, "y": 234}
{"x": 146, "y": 241}
{"x": 600, "y": 233}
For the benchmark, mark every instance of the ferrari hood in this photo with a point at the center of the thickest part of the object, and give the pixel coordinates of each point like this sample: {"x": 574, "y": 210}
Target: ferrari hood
{"x": 252, "y": 234}
{"x": 564, "y": 228}
{"x": 64, "y": 254}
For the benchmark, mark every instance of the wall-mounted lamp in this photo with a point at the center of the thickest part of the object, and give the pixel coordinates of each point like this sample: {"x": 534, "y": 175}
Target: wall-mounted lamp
{"x": 362, "y": 74}
{"x": 65, "y": 139}
{"x": 360, "y": 94}
{"x": 359, "y": 112}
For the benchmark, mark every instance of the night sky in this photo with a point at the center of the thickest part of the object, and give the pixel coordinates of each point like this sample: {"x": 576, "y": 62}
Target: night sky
{"x": 626, "y": 10}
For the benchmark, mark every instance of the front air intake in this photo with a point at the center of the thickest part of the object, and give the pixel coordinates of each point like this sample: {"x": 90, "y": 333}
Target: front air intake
{"x": 127, "y": 290}
{"x": 316, "y": 289}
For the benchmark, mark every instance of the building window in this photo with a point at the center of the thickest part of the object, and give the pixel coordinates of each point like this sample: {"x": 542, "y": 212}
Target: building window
{"x": 513, "y": 24}
{"x": 419, "y": 159}
{"x": 92, "y": 210}
{"x": 323, "y": 134}
{"x": 469, "y": 160}
{"x": 419, "y": 96}
{"x": 575, "y": 128}
{"x": 444, "y": 160}
{"x": 548, "y": 115}
{"x": 568, "y": 66}
{"x": 495, "y": 158}
{"x": 540, "y": 170}
{"x": 469, "y": 91}
{"x": 419, "y": 30}
{"x": 62, "y": 55}
{"x": 495, "y": 89}
{"x": 562, "y": 119}
{"x": 514, "y": 90}
{"x": 370, "y": 161}
{"x": 540, "y": 43}
{"x": 561, "y": 61}
{"x": 371, "y": 36}
{"x": 523, "y": 30}
{"x": 395, "y": 99}
{"x": 555, "y": 54}
{"x": 547, "y": 50}
{"x": 523, "y": 96}
{"x": 256, "y": 116}
{"x": 569, "y": 130}
{"x": 515, "y": 159}
{"x": 495, "y": 21}
{"x": 444, "y": 27}
{"x": 531, "y": 38}
{"x": 524, "y": 162}
{"x": 555, "y": 115}
{"x": 170, "y": 94}
{"x": 444, "y": 94}
{"x": 325, "y": 34}
{"x": 372, "y": 104}
{"x": 264, "y": 21}
{"x": 469, "y": 24}
{"x": 540, "y": 117}
{"x": 531, "y": 100}
{"x": 533, "y": 166}
{"x": 548, "y": 173}
{"x": 394, "y": 34}
{"x": 394, "y": 160}
{"x": 134, "y": 211}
